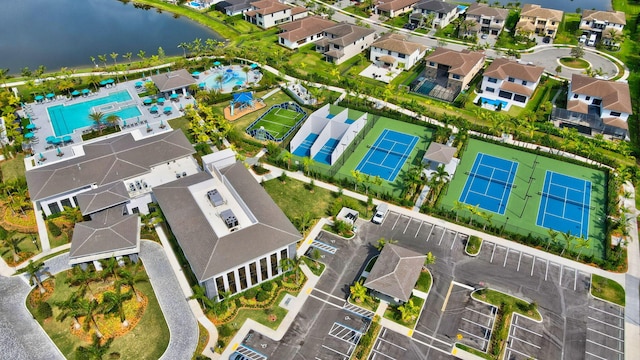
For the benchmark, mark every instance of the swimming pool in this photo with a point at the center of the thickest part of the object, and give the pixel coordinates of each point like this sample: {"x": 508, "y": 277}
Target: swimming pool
{"x": 426, "y": 87}
{"x": 230, "y": 79}
{"x": 67, "y": 118}
{"x": 494, "y": 102}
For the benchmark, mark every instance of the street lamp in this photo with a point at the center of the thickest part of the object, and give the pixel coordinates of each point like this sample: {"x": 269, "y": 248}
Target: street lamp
{"x": 35, "y": 242}
{"x": 504, "y": 226}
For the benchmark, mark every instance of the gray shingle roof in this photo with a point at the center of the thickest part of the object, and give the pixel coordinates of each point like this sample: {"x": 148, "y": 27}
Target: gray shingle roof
{"x": 396, "y": 272}
{"x": 346, "y": 33}
{"x": 102, "y": 198}
{"x": 106, "y": 162}
{"x": 502, "y": 69}
{"x": 173, "y": 80}
{"x": 480, "y": 9}
{"x": 437, "y": 6}
{"x": 209, "y": 254}
{"x": 107, "y": 232}
{"x": 439, "y": 153}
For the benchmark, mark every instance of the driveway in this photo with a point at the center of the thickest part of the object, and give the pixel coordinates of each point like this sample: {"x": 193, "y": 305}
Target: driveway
{"x": 549, "y": 59}
{"x": 21, "y": 337}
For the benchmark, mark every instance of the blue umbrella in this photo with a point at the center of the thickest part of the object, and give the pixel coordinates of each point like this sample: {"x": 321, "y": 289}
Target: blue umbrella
{"x": 50, "y": 139}
{"x": 229, "y": 70}
{"x": 30, "y": 126}
{"x": 39, "y": 97}
{"x": 138, "y": 83}
{"x": 59, "y": 151}
{"x": 239, "y": 82}
{"x": 50, "y": 95}
{"x": 161, "y": 101}
{"x": 75, "y": 93}
{"x": 147, "y": 101}
{"x": 168, "y": 109}
{"x": 67, "y": 138}
{"x": 196, "y": 73}
{"x": 86, "y": 91}
{"x": 174, "y": 96}
{"x": 110, "y": 81}
{"x": 103, "y": 82}
{"x": 253, "y": 66}
{"x": 28, "y": 135}
{"x": 56, "y": 141}
{"x": 124, "y": 123}
{"x": 154, "y": 109}
{"x": 41, "y": 157}
{"x": 202, "y": 85}
{"x": 217, "y": 63}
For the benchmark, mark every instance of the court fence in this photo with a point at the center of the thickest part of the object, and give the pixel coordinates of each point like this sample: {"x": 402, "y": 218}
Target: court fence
{"x": 253, "y": 131}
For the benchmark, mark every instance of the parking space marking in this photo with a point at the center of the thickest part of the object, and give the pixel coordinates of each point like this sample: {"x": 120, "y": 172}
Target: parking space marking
{"x": 431, "y": 337}
{"x": 324, "y": 247}
{"x": 561, "y": 269}
{"x": 358, "y": 310}
{"x": 493, "y": 253}
{"x": 533, "y": 265}
{"x": 419, "y": 227}
{"x": 519, "y": 259}
{"x": 344, "y": 356}
{"x": 454, "y": 240}
{"x": 376, "y": 352}
{"x": 606, "y": 347}
{"x": 595, "y": 356}
{"x": 390, "y": 343}
{"x": 546, "y": 272}
{"x": 432, "y": 347}
{"x": 525, "y": 329}
{"x": 524, "y": 341}
{"x": 475, "y": 323}
{"x": 606, "y": 312}
{"x": 605, "y": 323}
{"x": 484, "y": 339}
{"x": 518, "y": 352}
{"x": 430, "y": 232}
{"x": 481, "y": 313}
{"x": 325, "y": 301}
{"x": 250, "y": 353}
{"x": 396, "y": 223}
{"x": 408, "y": 223}
{"x": 345, "y": 333}
{"x": 444, "y": 231}
{"x": 616, "y": 338}
{"x": 506, "y": 256}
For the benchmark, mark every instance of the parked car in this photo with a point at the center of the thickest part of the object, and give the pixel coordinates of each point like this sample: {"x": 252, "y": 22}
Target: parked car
{"x": 381, "y": 212}
{"x": 484, "y": 36}
{"x": 546, "y": 39}
{"x": 583, "y": 39}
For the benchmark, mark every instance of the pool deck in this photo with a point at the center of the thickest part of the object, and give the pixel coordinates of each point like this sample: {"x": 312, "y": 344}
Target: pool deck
{"x": 253, "y": 77}
{"x": 147, "y": 124}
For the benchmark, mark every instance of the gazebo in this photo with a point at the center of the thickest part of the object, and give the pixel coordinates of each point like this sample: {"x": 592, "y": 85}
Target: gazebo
{"x": 174, "y": 81}
{"x": 241, "y": 100}
{"x": 438, "y": 154}
{"x": 395, "y": 273}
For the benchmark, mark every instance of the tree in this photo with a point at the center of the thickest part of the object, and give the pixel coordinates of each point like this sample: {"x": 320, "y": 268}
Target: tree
{"x": 200, "y": 295}
{"x": 132, "y": 277}
{"x": 34, "y": 270}
{"x": 568, "y": 238}
{"x": 82, "y": 279}
{"x": 457, "y": 206}
{"x": 382, "y": 242}
{"x": 558, "y": 70}
{"x": 288, "y": 264}
{"x": 72, "y": 214}
{"x": 577, "y": 51}
{"x": 12, "y": 240}
{"x": 113, "y": 303}
{"x": 97, "y": 117}
{"x": 357, "y": 179}
{"x": 307, "y": 163}
{"x": 70, "y": 308}
{"x": 96, "y": 351}
{"x": 553, "y": 235}
{"x": 90, "y": 308}
{"x": 304, "y": 222}
{"x": 112, "y": 119}
{"x": 429, "y": 260}
{"x": 103, "y": 59}
{"x": 286, "y": 157}
{"x": 409, "y": 311}
{"x": 582, "y": 244}
{"x": 150, "y": 220}
{"x": 114, "y": 56}
{"x": 358, "y": 292}
{"x": 110, "y": 268}
{"x": 474, "y": 211}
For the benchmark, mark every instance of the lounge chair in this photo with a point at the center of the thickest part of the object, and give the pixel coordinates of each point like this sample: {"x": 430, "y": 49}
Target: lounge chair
{"x": 59, "y": 154}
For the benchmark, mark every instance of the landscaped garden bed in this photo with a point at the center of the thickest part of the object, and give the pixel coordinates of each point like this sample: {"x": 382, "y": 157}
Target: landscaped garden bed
{"x": 607, "y": 289}
{"x": 473, "y": 246}
{"x": 424, "y": 281}
{"x": 406, "y": 314}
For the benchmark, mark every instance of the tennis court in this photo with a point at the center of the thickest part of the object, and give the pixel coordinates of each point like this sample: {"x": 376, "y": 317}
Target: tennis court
{"x": 387, "y": 155}
{"x": 565, "y": 204}
{"x": 304, "y": 149}
{"x": 277, "y": 121}
{"x": 324, "y": 155}
{"x": 489, "y": 183}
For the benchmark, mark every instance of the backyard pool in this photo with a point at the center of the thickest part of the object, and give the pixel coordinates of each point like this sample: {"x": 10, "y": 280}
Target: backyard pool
{"x": 65, "y": 119}
{"x": 426, "y": 87}
{"x": 225, "y": 79}
{"x": 494, "y": 102}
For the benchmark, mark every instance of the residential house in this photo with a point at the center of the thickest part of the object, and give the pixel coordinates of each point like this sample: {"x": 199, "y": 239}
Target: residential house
{"x": 233, "y": 7}
{"x": 393, "y": 8}
{"x": 231, "y": 232}
{"x": 344, "y": 41}
{"x": 606, "y": 25}
{"x": 269, "y": 13}
{"x": 510, "y": 81}
{"x": 608, "y": 100}
{"x": 441, "y": 12}
{"x": 537, "y": 20}
{"x": 394, "y": 50}
{"x": 395, "y": 273}
{"x": 484, "y": 19}
{"x": 303, "y": 31}
{"x": 451, "y": 68}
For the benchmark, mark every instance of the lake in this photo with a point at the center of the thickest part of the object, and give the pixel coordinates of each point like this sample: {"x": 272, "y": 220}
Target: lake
{"x": 564, "y": 5}
{"x": 66, "y": 33}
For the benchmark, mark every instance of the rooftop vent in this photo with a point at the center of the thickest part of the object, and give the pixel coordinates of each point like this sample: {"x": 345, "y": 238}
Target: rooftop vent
{"x": 215, "y": 197}
{"x": 229, "y": 219}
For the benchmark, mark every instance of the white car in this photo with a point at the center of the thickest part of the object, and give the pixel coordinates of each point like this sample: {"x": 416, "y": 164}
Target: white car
{"x": 583, "y": 39}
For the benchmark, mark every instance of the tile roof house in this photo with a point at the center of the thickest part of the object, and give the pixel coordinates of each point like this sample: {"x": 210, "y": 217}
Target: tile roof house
{"x": 609, "y": 100}
{"x": 456, "y": 67}
{"x": 486, "y": 19}
{"x": 233, "y": 7}
{"x": 269, "y": 13}
{"x": 303, "y": 31}
{"x": 443, "y": 13}
{"x": 537, "y": 20}
{"x": 395, "y": 273}
{"x": 231, "y": 232}
{"x": 606, "y": 25}
{"x": 395, "y": 50}
{"x": 393, "y": 8}
{"x": 343, "y": 41}
{"x": 510, "y": 81}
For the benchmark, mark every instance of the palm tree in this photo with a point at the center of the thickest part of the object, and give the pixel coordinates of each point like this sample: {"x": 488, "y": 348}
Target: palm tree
{"x": 486, "y": 216}
{"x": 113, "y": 303}
{"x": 358, "y": 292}
{"x": 114, "y": 56}
{"x": 429, "y": 260}
{"x": 70, "y": 308}
{"x": 110, "y": 269}
{"x": 200, "y": 294}
{"x": 103, "y": 59}
{"x": 474, "y": 211}
{"x": 90, "y": 308}
{"x": 12, "y": 240}
{"x": 246, "y": 71}
{"x": 96, "y": 351}
{"x": 553, "y": 235}
{"x": 150, "y": 220}
{"x": 82, "y": 279}
{"x": 71, "y": 214}
{"x": 307, "y": 163}
{"x": 97, "y": 117}
{"x": 382, "y": 242}
{"x": 409, "y": 311}
{"x": 582, "y": 244}
{"x": 568, "y": 238}
{"x": 112, "y": 119}
{"x": 288, "y": 264}
{"x": 286, "y": 157}
{"x": 357, "y": 179}
{"x": 457, "y": 206}
{"x": 335, "y": 73}
{"x": 133, "y": 277}
{"x": 34, "y": 270}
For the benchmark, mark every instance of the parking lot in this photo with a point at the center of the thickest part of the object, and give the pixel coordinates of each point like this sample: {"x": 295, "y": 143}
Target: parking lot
{"x": 328, "y": 327}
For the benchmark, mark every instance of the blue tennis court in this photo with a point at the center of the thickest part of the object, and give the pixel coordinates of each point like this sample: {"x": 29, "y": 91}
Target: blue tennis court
{"x": 565, "y": 204}
{"x": 324, "y": 155}
{"x": 489, "y": 183}
{"x": 304, "y": 149}
{"x": 387, "y": 155}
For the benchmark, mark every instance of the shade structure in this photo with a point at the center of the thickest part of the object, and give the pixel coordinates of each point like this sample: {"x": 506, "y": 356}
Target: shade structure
{"x": 161, "y": 101}
{"x": 168, "y": 109}
{"x": 147, "y": 101}
{"x": 239, "y": 82}
{"x": 196, "y": 73}
{"x": 50, "y": 95}
{"x": 75, "y": 93}
{"x": 138, "y": 84}
{"x": 56, "y": 141}
{"x": 28, "y": 135}
{"x": 30, "y": 126}
{"x": 50, "y": 139}
{"x": 110, "y": 81}
{"x": 174, "y": 96}
{"x": 41, "y": 156}
{"x": 67, "y": 138}
{"x": 154, "y": 109}
{"x": 103, "y": 82}
{"x": 229, "y": 70}
{"x": 86, "y": 91}
{"x": 39, "y": 97}
{"x": 217, "y": 63}
{"x": 253, "y": 66}
{"x": 59, "y": 151}
{"x": 202, "y": 85}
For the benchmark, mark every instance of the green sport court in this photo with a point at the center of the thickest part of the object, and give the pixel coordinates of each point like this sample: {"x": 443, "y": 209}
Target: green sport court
{"x": 528, "y": 193}
{"x": 277, "y": 121}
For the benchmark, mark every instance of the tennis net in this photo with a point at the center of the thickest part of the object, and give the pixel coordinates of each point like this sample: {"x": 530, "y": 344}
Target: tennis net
{"x": 389, "y": 151}
{"x": 565, "y": 200}
{"x": 491, "y": 179}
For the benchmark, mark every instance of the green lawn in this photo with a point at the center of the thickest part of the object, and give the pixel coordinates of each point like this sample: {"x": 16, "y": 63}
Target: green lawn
{"x": 278, "y": 121}
{"x": 424, "y": 281}
{"x": 607, "y": 289}
{"x": 392, "y": 313}
{"x": 473, "y": 245}
{"x": 507, "y": 302}
{"x": 568, "y": 32}
{"x": 574, "y": 63}
{"x": 148, "y": 340}
{"x": 522, "y": 214}
{"x": 13, "y": 169}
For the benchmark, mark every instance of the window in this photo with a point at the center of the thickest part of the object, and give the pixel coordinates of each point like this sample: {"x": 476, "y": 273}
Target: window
{"x": 402, "y": 56}
{"x": 511, "y": 79}
{"x": 231, "y": 279}
{"x": 490, "y": 89}
{"x": 519, "y": 98}
{"x": 431, "y": 63}
{"x": 253, "y": 271}
{"x": 575, "y": 96}
{"x": 505, "y": 94}
{"x": 588, "y": 98}
{"x": 388, "y": 52}
{"x": 264, "y": 269}
{"x": 597, "y": 102}
{"x": 615, "y": 113}
{"x": 283, "y": 254}
{"x": 65, "y": 203}
{"x": 524, "y": 82}
{"x": 220, "y": 284}
{"x": 455, "y": 76}
{"x": 492, "y": 80}
{"x": 274, "y": 264}
{"x": 54, "y": 208}
{"x": 75, "y": 200}
{"x": 243, "y": 278}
